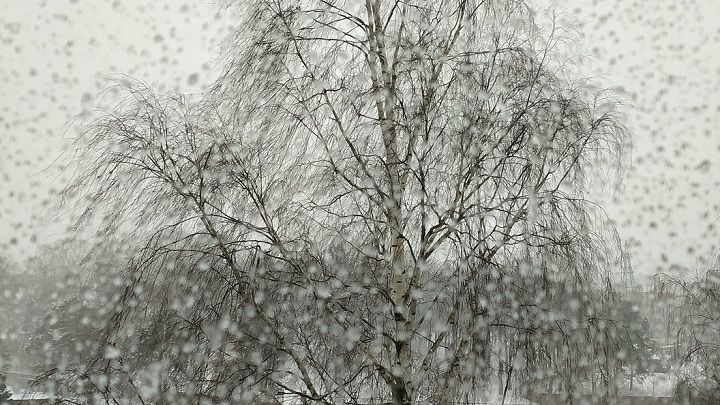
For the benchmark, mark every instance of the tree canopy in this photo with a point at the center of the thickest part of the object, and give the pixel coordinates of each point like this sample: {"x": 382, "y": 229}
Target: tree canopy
{"x": 376, "y": 201}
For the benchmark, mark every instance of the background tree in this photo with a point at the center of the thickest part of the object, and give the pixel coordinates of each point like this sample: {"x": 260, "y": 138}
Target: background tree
{"x": 49, "y": 309}
{"x": 16, "y": 311}
{"x": 638, "y": 345}
{"x": 5, "y": 393}
{"x": 376, "y": 200}
{"x": 695, "y": 322}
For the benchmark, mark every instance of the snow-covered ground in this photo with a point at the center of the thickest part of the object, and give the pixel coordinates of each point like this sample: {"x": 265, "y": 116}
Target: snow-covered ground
{"x": 26, "y": 394}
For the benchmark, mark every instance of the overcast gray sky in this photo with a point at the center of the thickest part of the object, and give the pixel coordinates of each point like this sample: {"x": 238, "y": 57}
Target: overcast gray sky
{"x": 664, "y": 54}
{"x": 56, "y": 56}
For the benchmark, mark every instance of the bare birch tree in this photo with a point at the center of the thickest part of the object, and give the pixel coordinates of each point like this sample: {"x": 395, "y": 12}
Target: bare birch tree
{"x": 372, "y": 199}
